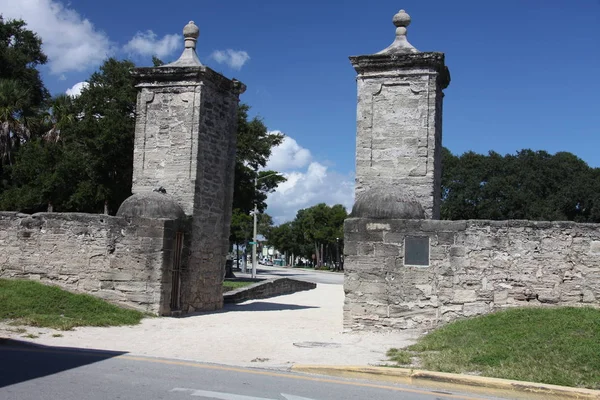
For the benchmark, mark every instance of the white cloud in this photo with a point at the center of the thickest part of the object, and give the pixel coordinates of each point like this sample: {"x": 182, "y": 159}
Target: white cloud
{"x": 288, "y": 155}
{"x": 71, "y": 42}
{"x": 308, "y": 183}
{"x": 77, "y": 88}
{"x": 147, "y": 44}
{"x": 234, "y": 58}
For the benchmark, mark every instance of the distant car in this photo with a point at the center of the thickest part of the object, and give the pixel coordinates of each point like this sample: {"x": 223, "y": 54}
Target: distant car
{"x": 268, "y": 263}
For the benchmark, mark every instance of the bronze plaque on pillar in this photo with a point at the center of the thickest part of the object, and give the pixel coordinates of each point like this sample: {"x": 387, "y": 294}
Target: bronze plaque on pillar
{"x": 416, "y": 251}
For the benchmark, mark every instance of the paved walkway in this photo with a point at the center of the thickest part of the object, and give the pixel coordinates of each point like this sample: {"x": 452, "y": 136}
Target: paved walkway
{"x": 310, "y": 275}
{"x": 304, "y": 327}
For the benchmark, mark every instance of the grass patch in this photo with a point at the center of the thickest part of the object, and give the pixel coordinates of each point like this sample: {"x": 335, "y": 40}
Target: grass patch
{"x": 399, "y": 356}
{"x": 232, "y": 285}
{"x": 32, "y": 303}
{"x": 558, "y": 346}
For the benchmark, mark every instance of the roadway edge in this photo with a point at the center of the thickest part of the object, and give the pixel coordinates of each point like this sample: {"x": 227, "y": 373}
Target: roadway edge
{"x": 414, "y": 376}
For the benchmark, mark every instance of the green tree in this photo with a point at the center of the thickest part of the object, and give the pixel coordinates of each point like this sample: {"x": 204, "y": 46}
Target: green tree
{"x": 316, "y": 230}
{"x": 60, "y": 114}
{"x": 287, "y": 239}
{"x": 157, "y": 62}
{"x": 532, "y": 185}
{"x": 254, "y": 146}
{"x": 22, "y": 92}
{"x": 264, "y": 224}
{"x": 14, "y": 128}
{"x": 20, "y": 55}
{"x": 105, "y": 133}
{"x": 86, "y": 159}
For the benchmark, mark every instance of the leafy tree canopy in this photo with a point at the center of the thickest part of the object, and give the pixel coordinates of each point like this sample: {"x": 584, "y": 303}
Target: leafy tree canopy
{"x": 532, "y": 185}
{"x": 22, "y": 92}
{"x": 254, "y": 146}
{"x": 313, "y": 228}
{"x": 86, "y": 158}
{"x": 20, "y": 55}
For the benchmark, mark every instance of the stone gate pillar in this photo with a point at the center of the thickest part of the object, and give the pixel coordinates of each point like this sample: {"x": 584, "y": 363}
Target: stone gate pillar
{"x": 399, "y": 122}
{"x": 398, "y": 173}
{"x": 185, "y": 142}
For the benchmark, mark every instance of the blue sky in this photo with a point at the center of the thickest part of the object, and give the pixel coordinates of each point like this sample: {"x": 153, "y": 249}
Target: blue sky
{"x": 525, "y": 74}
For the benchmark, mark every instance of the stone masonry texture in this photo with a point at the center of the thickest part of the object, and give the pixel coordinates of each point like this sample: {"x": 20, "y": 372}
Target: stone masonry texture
{"x": 185, "y": 141}
{"x": 471, "y": 267}
{"x": 399, "y": 125}
{"x": 124, "y": 262}
{"x": 475, "y": 267}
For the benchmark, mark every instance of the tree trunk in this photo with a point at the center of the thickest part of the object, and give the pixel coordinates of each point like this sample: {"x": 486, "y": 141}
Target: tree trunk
{"x": 321, "y": 264}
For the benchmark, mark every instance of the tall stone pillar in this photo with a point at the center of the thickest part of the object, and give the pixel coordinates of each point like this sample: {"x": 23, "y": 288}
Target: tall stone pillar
{"x": 399, "y": 125}
{"x": 185, "y": 142}
{"x": 398, "y": 173}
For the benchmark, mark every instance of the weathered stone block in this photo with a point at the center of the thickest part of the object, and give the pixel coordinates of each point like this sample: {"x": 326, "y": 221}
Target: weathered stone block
{"x": 445, "y": 238}
{"x": 384, "y": 250}
{"x": 394, "y": 237}
{"x": 473, "y": 309}
{"x": 464, "y": 296}
{"x": 500, "y": 296}
{"x": 458, "y": 251}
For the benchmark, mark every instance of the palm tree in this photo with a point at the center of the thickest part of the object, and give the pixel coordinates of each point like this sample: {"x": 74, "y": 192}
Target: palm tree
{"x": 13, "y": 124}
{"x": 59, "y": 115}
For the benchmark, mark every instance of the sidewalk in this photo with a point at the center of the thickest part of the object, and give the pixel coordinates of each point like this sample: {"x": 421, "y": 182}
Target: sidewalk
{"x": 301, "y": 328}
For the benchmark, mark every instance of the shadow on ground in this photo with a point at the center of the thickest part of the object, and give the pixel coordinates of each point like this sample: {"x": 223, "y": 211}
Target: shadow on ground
{"x": 254, "y": 306}
{"x": 21, "y": 361}
{"x": 264, "y": 306}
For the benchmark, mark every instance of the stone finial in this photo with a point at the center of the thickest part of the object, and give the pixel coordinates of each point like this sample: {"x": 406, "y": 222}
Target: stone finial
{"x": 188, "y": 58}
{"x": 190, "y": 35}
{"x": 401, "y": 45}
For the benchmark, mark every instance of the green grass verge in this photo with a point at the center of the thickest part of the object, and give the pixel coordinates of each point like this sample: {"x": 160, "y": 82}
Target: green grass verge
{"x": 232, "y": 285}
{"x": 32, "y": 303}
{"x": 558, "y": 346}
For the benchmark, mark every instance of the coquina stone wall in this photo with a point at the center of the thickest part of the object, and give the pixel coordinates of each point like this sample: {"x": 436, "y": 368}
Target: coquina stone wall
{"x": 127, "y": 262}
{"x": 474, "y": 267}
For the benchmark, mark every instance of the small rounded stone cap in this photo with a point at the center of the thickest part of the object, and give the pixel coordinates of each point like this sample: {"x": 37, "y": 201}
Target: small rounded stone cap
{"x": 383, "y": 203}
{"x": 191, "y": 31}
{"x": 401, "y": 19}
{"x": 401, "y": 45}
{"x": 151, "y": 205}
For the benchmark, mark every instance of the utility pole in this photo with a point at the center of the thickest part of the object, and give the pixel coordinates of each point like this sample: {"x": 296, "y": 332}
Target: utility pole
{"x": 254, "y": 231}
{"x": 254, "y": 240}
{"x": 337, "y": 253}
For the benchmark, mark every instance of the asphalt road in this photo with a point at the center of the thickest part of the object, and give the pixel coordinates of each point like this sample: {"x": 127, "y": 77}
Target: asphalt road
{"x": 44, "y": 373}
{"x": 332, "y": 278}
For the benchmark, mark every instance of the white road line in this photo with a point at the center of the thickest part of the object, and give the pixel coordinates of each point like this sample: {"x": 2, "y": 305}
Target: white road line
{"x": 292, "y": 397}
{"x": 231, "y": 396}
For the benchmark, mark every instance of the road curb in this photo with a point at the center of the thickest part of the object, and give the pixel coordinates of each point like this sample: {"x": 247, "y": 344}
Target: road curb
{"x": 413, "y": 376}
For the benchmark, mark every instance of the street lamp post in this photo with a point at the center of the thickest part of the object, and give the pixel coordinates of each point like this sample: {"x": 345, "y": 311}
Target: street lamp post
{"x": 337, "y": 253}
{"x": 254, "y": 242}
{"x": 254, "y": 232}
